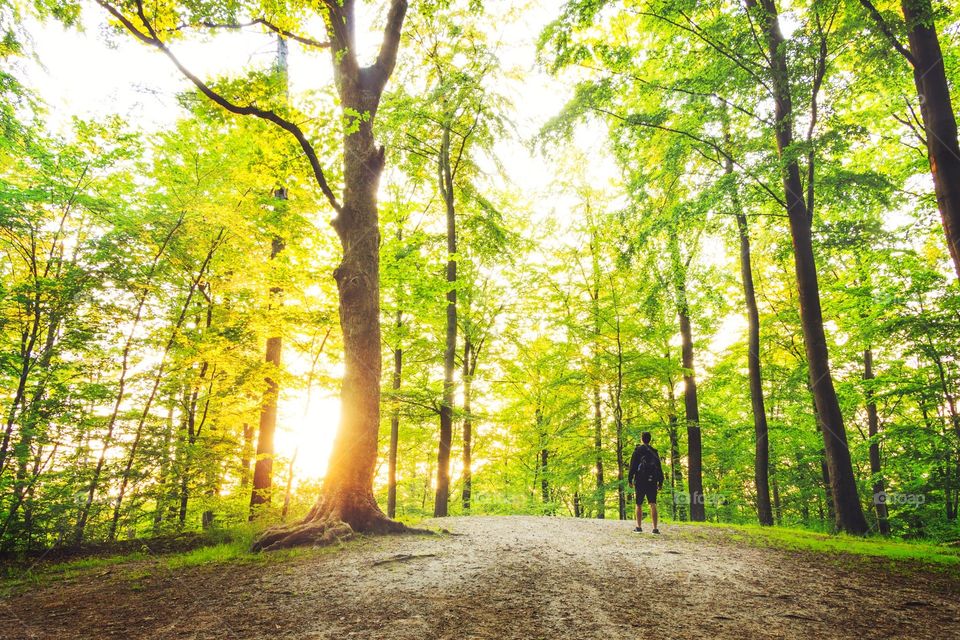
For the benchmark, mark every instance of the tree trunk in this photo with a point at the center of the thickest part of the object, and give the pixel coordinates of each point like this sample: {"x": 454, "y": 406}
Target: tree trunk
{"x": 246, "y": 452}
{"x": 261, "y": 494}
{"x": 618, "y": 411}
{"x": 346, "y": 503}
{"x": 849, "y": 512}
{"x": 450, "y": 352}
{"x": 939, "y": 120}
{"x": 394, "y": 426}
{"x": 678, "y": 510}
{"x": 777, "y": 511}
{"x": 827, "y": 489}
{"x": 469, "y": 359}
{"x": 598, "y": 452}
{"x": 621, "y": 484}
{"x": 873, "y": 429}
{"x": 761, "y": 462}
{"x": 544, "y": 481}
{"x": 690, "y": 401}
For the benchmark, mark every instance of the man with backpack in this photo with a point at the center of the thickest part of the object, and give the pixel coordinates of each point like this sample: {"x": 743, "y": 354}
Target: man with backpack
{"x": 646, "y": 477}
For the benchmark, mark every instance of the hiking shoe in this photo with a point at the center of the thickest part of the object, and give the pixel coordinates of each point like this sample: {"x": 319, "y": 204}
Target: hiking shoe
{"x": 638, "y": 530}
{"x": 657, "y": 531}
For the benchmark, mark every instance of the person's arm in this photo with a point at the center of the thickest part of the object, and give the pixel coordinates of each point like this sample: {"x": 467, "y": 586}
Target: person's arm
{"x": 634, "y": 463}
{"x": 660, "y": 477}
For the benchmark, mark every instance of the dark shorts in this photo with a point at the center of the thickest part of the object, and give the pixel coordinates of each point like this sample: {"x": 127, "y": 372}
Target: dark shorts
{"x": 647, "y": 490}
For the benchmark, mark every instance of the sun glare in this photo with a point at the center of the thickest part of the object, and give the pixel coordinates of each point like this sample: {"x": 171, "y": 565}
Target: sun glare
{"x": 306, "y": 428}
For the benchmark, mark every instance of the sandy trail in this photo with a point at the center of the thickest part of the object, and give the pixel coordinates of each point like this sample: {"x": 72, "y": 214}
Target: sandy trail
{"x": 504, "y": 578}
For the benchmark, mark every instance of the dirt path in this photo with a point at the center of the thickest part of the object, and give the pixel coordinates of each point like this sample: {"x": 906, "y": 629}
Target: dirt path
{"x": 504, "y": 578}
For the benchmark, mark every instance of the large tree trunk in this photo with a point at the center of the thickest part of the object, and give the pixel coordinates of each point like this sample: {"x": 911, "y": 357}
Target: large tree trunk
{"x": 849, "y": 512}
{"x": 873, "y": 429}
{"x": 761, "y": 462}
{"x": 346, "y": 503}
{"x": 939, "y": 120}
{"x": 450, "y": 352}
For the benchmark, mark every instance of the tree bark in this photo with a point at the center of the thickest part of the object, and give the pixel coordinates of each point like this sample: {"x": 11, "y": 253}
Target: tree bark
{"x": 936, "y": 110}
{"x": 598, "y": 452}
{"x": 938, "y": 117}
{"x": 676, "y": 473}
{"x": 469, "y": 365}
{"x": 261, "y": 493}
{"x": 394, "y": 426}
{"x": 761, "y": 459}
{"x": 849, "y": 512}
{"x": 346, "y": 503}
{"x": 873, "y": 429}
{"x": 690, "y": 401}
{"x": 450, "y": 352}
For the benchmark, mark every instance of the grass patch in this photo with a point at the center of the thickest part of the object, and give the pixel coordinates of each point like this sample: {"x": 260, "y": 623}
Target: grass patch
{"x": 793, "y": 539}
{"x": 227, "y": 546}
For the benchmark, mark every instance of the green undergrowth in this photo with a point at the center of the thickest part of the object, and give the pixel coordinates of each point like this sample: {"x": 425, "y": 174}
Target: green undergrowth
{"x": 225, "y": 546}
{"x": 841, "y": 545}
{"x": 228, "y": 545}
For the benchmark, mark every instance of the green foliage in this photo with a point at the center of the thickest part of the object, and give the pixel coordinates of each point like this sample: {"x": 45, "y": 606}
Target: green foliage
{"x": 137, "y": 288}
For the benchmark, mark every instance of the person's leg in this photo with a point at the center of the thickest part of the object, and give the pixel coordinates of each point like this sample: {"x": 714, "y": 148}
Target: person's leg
{"x": 653, "y": 513}
{"x": 639, "y": 514}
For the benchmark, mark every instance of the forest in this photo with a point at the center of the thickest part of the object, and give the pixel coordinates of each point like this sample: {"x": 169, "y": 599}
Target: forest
{"x": 365, "y": 264}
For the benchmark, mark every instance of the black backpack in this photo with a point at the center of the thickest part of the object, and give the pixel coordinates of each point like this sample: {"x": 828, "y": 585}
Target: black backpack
{"x": 647, "y": 467}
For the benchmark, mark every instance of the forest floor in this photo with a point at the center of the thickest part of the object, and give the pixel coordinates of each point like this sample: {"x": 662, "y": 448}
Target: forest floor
{"x": 504, "y": 578}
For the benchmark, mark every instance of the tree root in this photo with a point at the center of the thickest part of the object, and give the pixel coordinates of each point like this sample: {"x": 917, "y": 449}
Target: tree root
{"x": 321, "y": 528}
{"x": 318, "y": 533}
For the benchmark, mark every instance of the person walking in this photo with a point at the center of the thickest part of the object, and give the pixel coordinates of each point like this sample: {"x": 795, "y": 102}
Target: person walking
{"x": 646, "y": 477}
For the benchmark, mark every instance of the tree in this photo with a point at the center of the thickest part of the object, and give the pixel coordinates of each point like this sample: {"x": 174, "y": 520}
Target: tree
{"x": 347, "y": 501}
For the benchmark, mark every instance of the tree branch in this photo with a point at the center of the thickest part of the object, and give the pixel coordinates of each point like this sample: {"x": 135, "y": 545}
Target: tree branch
{"x": 387, "y": 58}
{"x": 887, "y": 31}
{"x": 151, "y": 38}
{"x": 696, "y": 138}
{"x": 236, "y": 26}
{"x": 726, "y": 53}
